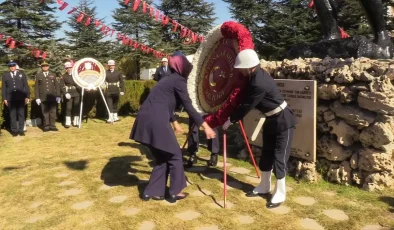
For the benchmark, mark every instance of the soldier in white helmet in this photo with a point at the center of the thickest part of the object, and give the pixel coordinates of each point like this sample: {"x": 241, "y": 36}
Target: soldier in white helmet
{"x": 71, "y": 93}
{"x": 277, "y": 122}
{"x": 162, "y": 71}
{"x": 115, "y": 87}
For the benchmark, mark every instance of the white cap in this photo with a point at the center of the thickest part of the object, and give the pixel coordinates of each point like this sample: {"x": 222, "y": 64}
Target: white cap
{"x": 246, "y": 59}
{"x": 68, "y": 65}
{"x": 164, "y": 59}
{"x": 111, "y": 62}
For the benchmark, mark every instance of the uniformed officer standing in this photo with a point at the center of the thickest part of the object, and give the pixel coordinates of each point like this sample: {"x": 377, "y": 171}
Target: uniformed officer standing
{"x": 263, "y": 94}
{"x": 162, "y": 71}
{"x": 71, "y": 94}
{"x": 16, "y": 94}
{"x": 47, "y": 92}
{"x": 115, "y": 86}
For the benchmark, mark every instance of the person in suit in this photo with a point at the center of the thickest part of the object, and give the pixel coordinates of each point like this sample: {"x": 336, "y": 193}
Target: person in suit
{"x": 162, "y": 71}
{"x": 115, "y": 87}
{"x": 47, "y": 93}
{"x": 152, "y": 128}
{"x": 71, "y": 93}
{"x": 193, "y": 144}
{"x": 16, "y": 94}
{"x": 263, "y": 94}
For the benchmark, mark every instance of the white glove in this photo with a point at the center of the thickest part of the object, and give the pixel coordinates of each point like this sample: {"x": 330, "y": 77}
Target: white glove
{"x": 122, "y": 93}
{"x": 58, "y": 99}
{"x": 68, "y": 96}
{"x": 38, "y": 101}
{"x": 226, "y": 124}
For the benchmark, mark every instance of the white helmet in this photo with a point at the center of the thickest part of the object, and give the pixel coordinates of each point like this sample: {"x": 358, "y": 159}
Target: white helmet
{"x": 68, "y": 65}
{"x": 246, "y": 59}
{"x": 111, "y": 62}
{"x": 164, "y": 59}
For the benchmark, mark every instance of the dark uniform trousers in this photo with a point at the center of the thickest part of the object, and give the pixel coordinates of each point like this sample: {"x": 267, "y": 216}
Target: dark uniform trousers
{"x": 49, "y": 113}
{"x": 193, "y": 140}
{"x": 276, "y": 152}
{"x": 112, "y": 101}
{"x": 72, "y": 106}
{"x": 166, "y": 163}
{"x": 17, "y": 114}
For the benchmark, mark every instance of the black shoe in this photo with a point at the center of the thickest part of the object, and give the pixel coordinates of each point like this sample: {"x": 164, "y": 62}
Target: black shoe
{"x": 53, "y": 129}
{"x": 174, "y": 198}
{"x": 192, "y": 160}
{"x": 21, "y": 133}
{"x": 147, "y": 197}
{"x": 14, "y": 134}
{"x": 214, "y": 160}
{"x": 66, "y": 126}
{"x": 252, "y": 194}
{"x": 272, "y": 205}
{"x": 45, "y": 130}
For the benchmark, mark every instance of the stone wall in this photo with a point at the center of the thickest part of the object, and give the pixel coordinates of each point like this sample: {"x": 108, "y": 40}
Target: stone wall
{"x": 355, "y": 119}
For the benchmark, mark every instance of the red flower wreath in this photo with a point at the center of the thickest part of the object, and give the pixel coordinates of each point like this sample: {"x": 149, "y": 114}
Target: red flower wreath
{"x": 232, "y": 30}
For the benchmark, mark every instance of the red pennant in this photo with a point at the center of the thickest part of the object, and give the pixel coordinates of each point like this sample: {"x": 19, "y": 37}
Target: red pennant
{"x": 136, "y": 45}
{"x": 157, "y": 15}
{"x": 63, "y": 6}
{"x": 12, "y": 45}
{"x": 126, "y": 2}
{"x": 80, "y": 17}
{"x": 136, "y": 4}
{"x": 311, "y": 3}
{"x": 201, "y": 38}
{"x": 72, "y": 10}
{"x": 194, "y": 37}
{"x": 1, "y": 36}
{"x": 144, "y": 5}
{"x": 175, "y": 25}
{"x": 37, "y": 53}
{"x": 125, "y": 41}
{"x": 112, "y": 33}
{"x": 119, "y": 36}
{"x": 164, "y": 20}
{"x": 97, "y": 22}
{"x": 60, "y": 2}
{"x": 88, "y": 21}
{"x": 183, "y": 31}
{"x": 44, "y": 55}
{"x": 151, "y": 11}
{"x": 8, "y": 40}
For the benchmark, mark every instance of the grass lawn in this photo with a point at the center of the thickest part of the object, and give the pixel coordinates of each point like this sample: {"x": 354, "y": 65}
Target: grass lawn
{"x": 90, "y": 178}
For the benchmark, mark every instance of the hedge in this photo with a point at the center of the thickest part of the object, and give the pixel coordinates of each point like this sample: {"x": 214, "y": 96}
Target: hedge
{"x": 135, "y": 94}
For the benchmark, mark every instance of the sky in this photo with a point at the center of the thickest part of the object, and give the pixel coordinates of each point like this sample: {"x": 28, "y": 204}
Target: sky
{"x": 105, "y": 10}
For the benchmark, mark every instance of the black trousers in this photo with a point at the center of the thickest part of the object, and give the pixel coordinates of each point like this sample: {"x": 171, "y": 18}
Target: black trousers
{"x": 166, "y": 163}
{"x": 276, "y": 152}
{"x": 112, "y": 101}
{"x": 49, "y": 113}
{"x": 73, "y": 105}
{"x": 194, "y": 140}
{"x": 17, "y": 114}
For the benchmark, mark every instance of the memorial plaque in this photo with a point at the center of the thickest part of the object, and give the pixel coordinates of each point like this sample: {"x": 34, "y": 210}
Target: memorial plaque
{"x": 301, "y": 97}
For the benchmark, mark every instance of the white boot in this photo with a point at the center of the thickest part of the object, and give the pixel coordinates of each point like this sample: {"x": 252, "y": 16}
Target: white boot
{"x": 111, "y": 117}
{"x": 33, "y": 122}
{"x": 67, "y": 124}
{"x": 24, "y": 126}
{"x": 265, "y": 184}
{"x": 116, "y": 118}
{"x": 279, "y": 195}
{"x": 76, "y": 121}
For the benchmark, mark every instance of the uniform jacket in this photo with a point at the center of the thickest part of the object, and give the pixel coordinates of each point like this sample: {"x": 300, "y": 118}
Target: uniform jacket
{"x": 67, "y": 85}
{"x": 160, "y": 73}
{"x": 114, "y": 77}
{"x": 264, "y": 95}
{"x": 15, "y": 87}
{"x": 47, "y": 88}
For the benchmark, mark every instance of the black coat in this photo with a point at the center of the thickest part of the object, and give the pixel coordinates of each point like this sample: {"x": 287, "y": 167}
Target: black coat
{"x": 67, "y": 85}
{"x": 263, "y": 94}
{"x": 152, "y": 125}
{"x": 160, "y": 73}
{"x": 112, "y": 78}
{"x": 46, "y": 88}
{"x": 15, "y": 88}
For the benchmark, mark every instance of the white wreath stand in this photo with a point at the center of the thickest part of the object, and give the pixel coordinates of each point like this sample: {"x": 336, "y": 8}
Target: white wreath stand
{"x": 105, "y": 102}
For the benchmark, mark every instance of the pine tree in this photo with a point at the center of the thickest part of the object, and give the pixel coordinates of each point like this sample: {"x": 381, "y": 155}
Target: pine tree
{"x": 27, "y": 21}
{"x": 139, "y": 27}
{"x": 197, "y": 15}
{"x": 352, "y": 18}
{"x": 87, "y": 41}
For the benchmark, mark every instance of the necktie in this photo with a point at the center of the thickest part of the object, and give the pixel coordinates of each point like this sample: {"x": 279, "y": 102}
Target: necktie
{"x": 12, "y": 74}
{"x": 165, "y": 69}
